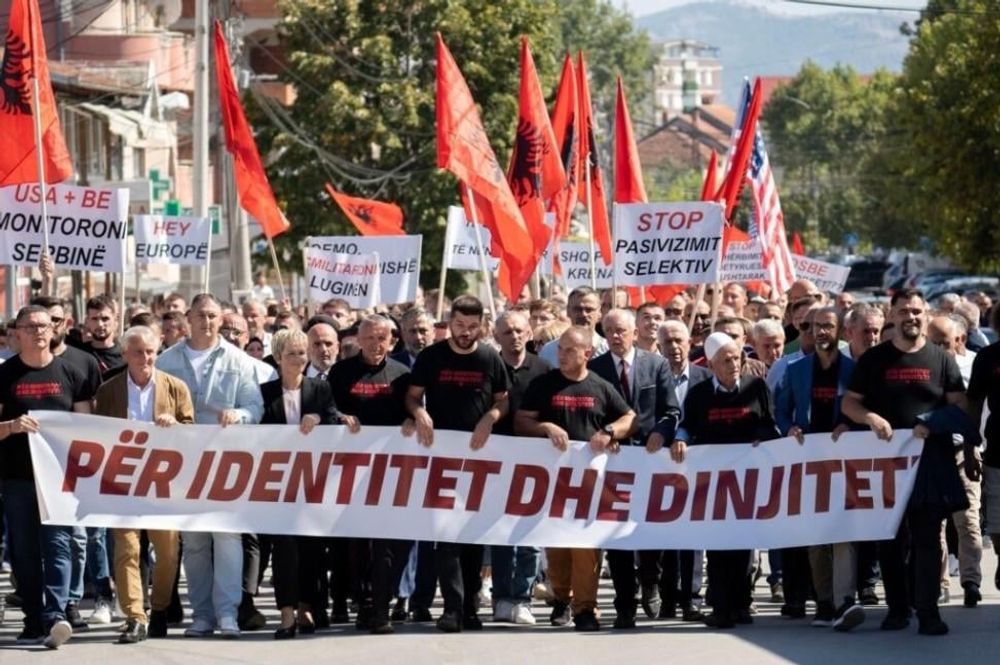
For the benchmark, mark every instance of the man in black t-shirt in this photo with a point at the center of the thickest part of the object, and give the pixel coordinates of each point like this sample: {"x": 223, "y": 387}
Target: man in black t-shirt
{"x": 36, "y": 380}
{"x": 372, "y": 387}
{"x": 892, "y": 384}
{"x": 567, "y": 404}
{"x": 465, "y": 385}
{"x": 102, "y": 325}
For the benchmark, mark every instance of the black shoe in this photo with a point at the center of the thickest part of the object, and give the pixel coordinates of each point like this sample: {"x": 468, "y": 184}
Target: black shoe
{"x": 471, "y": 622}
{"x": 74, "y": 618}
{"x": 250, "y": 619}
{"x": 742, "y": 617}
{"x": 848, "y": 617}
{"x": 306, "y": 628}
{"x": 321, "y": 619}
{"x": 364, "y": 617}
{"x": 667, "y": 611}
{"x": 931, "y": 623}
{"x": 824, "y": 616}
{"x": 561, "y": 615}
{"x": 399, "y": 611}
{"x": 450, "y": 622}
{"x": 586, "y": 622}
{"x": 286, "y": 632}
{"x": 134, "y": 632}
{"x": 30, "y": 635}
{"x": 893, "y": 621}
{"x": 717, "y": 620}
{"x": 972, "y": 594}
{"x": 793, "y": 611}
{"x": 157, "y": 624}
{"x": 624, "y": 621}
{"x": 14, "y": 600}
{"x": 651, "y": 602}
{"x": 868, "y": 596}
{"x": 691, "y": 614}
{"x": 420, "y": 615}
{"x": 382, "y": 626}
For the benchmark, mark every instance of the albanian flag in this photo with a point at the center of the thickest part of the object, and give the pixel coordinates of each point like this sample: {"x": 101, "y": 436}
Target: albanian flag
{"x": 370, "y": 218}
{"x": 588, "y": 156}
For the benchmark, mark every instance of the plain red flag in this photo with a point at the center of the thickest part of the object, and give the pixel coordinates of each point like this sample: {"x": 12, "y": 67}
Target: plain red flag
{"x": 709, "y": 186}
{"x": 536, "y": 172}
{"x": 797, "y": 246}
{"x": 733, "y": 185}
{"x": 370, "y": 218}
{"x": 566, "y": 126}
{"x": 252, "y": 185}
{"x": 628, "y": 171}
{"x": 464, "y": 149}
{"x": 24, "y": 60}
{"x": 588, "y": 154}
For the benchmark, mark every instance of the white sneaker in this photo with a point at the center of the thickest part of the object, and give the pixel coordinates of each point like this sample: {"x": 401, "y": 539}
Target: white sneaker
{"x": 503, "y": 612}
{"x": 102, "y": 612}
{"x": 199, "y": 628}
{"x": 59, "y": 634}
{"x": 228, "y": 628}
{"x": 522, "y": 615}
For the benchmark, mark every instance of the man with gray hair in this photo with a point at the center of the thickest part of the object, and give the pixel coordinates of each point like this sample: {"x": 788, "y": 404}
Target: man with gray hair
{"x": 768, "y": 338}
{"x": 417, "y": 331}
{"x": 584, "y": 310}
{"x": 144, "y": 394}
{"x": 975, "y": 339}
{"x": 863, "y": 328}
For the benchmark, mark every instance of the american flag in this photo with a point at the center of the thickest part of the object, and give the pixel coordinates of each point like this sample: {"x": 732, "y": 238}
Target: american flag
{"x": 768, "y": 224}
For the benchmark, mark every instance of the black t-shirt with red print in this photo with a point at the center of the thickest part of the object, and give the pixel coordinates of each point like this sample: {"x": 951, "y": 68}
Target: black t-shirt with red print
{"x": 55, "y": 387}
{"x": 743, "y": 415}
{"x": 458, "y": 387}
{"x": 824, "y": 395}
{"x": 582, "y": 408}
{"x": 375, "y": 394}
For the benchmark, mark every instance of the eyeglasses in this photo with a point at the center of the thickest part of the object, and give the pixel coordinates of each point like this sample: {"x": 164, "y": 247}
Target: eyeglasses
{"x": 232, "y": 331}
{"x": 34, "y": 327}
{"x": 673, "y": 311}
{"x": 804, "y": 326}
{"x": 56, "y": 320}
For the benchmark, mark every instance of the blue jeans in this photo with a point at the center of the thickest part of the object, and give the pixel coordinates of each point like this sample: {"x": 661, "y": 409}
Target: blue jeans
{"x": 79, "y": 546}
{"x": 24, "y": 541}
{"x": 98, "y": 569}
{"x": 213, "y": 563}
{"x": 514, "y": 572}
{"x": 57, "y": 550}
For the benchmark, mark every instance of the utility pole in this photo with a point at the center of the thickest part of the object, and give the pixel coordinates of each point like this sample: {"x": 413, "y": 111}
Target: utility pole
{"x": 193, "y": 278}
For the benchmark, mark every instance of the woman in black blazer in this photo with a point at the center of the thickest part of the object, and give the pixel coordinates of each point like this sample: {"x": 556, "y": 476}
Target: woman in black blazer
{"x": 294, "y": 398}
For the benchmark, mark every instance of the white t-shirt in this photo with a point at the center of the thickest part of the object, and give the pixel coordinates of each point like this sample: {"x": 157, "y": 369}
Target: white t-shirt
{"x": 198, "y": 358}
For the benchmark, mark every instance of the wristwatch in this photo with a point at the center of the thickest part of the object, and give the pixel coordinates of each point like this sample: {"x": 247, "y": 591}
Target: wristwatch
{"x": 609, "y": 430}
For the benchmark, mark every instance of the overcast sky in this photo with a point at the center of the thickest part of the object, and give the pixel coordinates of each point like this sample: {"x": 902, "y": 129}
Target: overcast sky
{"x": 640, "y": 7}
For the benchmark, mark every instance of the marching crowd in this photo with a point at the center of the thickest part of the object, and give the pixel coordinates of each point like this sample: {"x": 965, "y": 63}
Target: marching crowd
{"x": 727, "y": 367}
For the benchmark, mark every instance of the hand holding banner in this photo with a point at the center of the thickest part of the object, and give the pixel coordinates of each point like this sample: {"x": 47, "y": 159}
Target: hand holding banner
{"x": 177, "y": 240}
{"x": 353, "y": 278}
{"x": 667, "y": 243}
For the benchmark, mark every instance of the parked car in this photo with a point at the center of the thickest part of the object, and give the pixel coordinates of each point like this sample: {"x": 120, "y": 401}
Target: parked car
{"x": 959, "y": 285}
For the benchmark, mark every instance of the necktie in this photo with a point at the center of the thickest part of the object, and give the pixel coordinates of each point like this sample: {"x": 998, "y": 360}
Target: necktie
{"x": 623, "y": 380}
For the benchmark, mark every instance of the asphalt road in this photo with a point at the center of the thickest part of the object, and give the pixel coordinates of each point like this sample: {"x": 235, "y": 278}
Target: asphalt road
{"x": 974, "y": 637}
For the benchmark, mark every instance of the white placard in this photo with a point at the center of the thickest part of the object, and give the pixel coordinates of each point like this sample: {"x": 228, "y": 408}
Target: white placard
{"x": 399, "y": 261}
{"x": 667, "y": 243}
{"x": 461, "y": 252}
{"x": 743, "y": 262}
{"x": 826, "y": 276}
{"x": 353, "y": 278}
{"x": 87, "y": 226}
{"x": 574, "y": 259}
{"x": 173, "y": 240}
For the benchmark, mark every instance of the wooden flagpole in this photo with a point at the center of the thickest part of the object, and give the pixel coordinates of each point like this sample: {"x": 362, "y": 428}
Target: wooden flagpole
{"x": 590, "y": 223}
{"x": 482, "y": 251}
{"x": 277, "y": 269}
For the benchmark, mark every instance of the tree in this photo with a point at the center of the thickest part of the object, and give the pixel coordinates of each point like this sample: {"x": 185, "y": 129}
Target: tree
{"x": 821, "y": 128}
{"x": 363, "y": 117}
{"x": 943, "y": 147}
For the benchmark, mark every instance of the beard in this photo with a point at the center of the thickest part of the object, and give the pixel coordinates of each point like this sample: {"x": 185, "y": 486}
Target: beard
{"x": 464, "y": 343}
{"x": 910, "y": 331}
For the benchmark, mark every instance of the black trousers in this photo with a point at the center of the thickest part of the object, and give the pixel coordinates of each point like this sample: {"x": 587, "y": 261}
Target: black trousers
{"x": 686, "y": 560}
{"x": 378, "y": 564}
{"x": 868, "y": 571}
{"x": 796, "y": 575}
{"x": 251, "y": 564}
{"x": 911, "y": 563}
{"x": 426, "y": 578}
{"x": 729, "y": 580}
{"x": 657, "y": 569}
{"x": 459, "y": 566}
{"x": 297, "y": 566}
{"x": 338, "y": 563}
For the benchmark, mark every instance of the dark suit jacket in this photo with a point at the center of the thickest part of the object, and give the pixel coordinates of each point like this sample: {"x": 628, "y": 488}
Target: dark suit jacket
{"x": 317, "y": 397}
{"x": 170, "y": 396}
{"x": 652, "y": 393}
{"x": 402, "y": 357}
{"x": 793, "y": 397}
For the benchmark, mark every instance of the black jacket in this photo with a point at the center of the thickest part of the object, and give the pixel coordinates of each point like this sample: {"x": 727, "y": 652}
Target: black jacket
{"x": 317, "y": 397}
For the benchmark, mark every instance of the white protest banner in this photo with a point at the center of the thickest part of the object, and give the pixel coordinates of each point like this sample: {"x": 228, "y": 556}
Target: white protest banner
{"x": 398, "y": 258}
{"x": 350, "y": 277}
{"x": 826, "y": 276}
{"x": 743, "y": 262}
{"x": 667, "y": 243}
{"x": 574, "y": 259}
{"x": 173, "y": 240}
{"x": 95, "y": 471}
{"x": 87, "y": 226}
{"x": 461, "y": 251}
